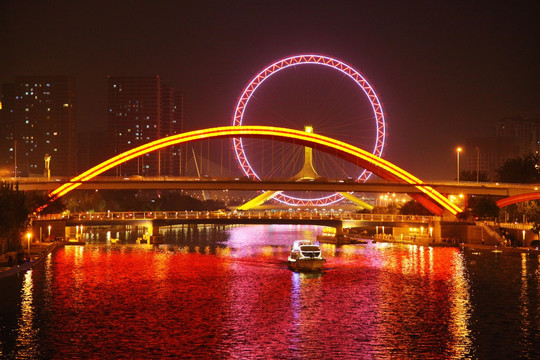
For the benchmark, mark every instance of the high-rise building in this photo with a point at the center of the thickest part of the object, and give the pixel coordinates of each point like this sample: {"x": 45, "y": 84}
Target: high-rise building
{"x": 514, "y": 137}
{"x": 526, "y": 131}
{"x": 140, "y": 110}
{"x": 487, "y": 154}
{"x": 7, "y": 137}
{"x": 88, "y": 154}
{"x": 40, "y": 123}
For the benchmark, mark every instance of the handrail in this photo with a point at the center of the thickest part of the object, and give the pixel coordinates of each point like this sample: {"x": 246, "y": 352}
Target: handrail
{"x": 490, "y": 232}
{"x": 150, "y": 215}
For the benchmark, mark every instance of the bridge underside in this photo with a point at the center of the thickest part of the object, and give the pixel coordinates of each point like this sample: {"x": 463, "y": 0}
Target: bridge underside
{"x": 157, "y": 223}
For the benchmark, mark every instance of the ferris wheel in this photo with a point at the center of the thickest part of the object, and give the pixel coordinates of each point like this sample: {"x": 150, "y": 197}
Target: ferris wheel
{"x": 378, "y": 128}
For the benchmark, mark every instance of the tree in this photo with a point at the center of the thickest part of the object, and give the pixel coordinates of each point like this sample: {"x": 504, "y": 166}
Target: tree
{"x": 413, "y": 207}
{"x": 36, "y": 199}
{"x": 483, "y": 206}
{"x": 520, "y": 170}
{"x": 14, "y": 212}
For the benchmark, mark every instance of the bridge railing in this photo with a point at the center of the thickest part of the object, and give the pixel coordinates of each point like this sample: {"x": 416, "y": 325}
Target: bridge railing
{"x": 299, "y": 215}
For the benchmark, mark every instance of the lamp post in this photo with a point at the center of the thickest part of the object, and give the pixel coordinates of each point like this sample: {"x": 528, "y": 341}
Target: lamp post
{"x": 28, "y": 235}
{"x": 15, "y": 159}
{"x": 458, "y": 151}
{"x": 477, "y": 164}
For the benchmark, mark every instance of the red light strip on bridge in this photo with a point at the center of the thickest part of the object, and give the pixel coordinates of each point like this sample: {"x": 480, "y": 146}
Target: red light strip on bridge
{"x": 373, "y": 163}
{"x": 518, "y": 198}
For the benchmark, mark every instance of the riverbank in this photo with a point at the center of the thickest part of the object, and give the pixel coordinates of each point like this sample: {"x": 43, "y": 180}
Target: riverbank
{"x": 38, "y": 252}
{"x": 453, "y": 243}
{"x": 504, "y": 249}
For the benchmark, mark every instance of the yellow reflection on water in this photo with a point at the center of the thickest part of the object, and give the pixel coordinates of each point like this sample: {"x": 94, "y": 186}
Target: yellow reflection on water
{"x": 524, "y": 300}
{"x": 268, "y": 251}
{"x": 460, "y": 306}
{"x": 26, "y": 347}
{"x": 223, "y": 251}
{"x": 161, "y": 265}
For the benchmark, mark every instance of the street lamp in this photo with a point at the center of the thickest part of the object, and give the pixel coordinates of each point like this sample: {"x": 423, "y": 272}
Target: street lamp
{"x": 477, "y": 164}
{"x": 458, "y": 151}
{"x": 28, "y": 235}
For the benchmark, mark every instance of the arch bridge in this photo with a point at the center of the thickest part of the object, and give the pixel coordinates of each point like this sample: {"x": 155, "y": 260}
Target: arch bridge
{"x": 428, "y": 196}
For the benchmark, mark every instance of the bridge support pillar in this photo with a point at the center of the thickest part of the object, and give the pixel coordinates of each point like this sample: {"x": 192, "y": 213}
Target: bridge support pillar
{"x": 436, "y": 229}
{"x": 154, "y": 230}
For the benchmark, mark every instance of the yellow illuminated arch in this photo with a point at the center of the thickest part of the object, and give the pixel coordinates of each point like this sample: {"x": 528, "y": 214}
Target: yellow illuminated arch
{"x": 430, "y": 197}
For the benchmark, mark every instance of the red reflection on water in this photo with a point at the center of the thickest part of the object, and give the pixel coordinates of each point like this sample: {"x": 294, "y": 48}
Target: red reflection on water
{"x": 370, "y": 302}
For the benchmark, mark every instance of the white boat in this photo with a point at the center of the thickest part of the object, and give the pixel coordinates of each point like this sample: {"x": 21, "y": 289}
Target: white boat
{"x": 305, "y": 255}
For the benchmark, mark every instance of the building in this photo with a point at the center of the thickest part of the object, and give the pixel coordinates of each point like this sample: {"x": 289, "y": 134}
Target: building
{"x": 38, "y": 121}
{"x": 487, "y": 154}
{"x": 514, "y": 137}
{"x": 88, "y": 154}
{"x": 7, "y": 137}
{"x": 526, "y": 132}
{"x": 140, "y": 110}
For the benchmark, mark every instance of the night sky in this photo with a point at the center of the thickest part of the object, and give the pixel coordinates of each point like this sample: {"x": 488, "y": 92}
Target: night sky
{"x": 444, "y": 70}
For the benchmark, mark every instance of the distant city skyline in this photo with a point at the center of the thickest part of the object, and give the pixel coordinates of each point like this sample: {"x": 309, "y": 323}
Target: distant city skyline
{"x": 25, "y": 113}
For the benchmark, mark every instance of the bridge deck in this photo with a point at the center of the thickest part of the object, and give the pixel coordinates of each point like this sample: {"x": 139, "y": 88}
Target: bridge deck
{"x": 331, "y": 185}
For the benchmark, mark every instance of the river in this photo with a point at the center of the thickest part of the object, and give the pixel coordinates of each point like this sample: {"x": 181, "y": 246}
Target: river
{"x": 226, "y": 293}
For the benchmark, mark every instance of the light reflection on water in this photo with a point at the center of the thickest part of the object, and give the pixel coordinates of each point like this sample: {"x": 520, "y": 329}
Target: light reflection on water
{"x": 26, "y": 347}
{"x": 226, "y": 292}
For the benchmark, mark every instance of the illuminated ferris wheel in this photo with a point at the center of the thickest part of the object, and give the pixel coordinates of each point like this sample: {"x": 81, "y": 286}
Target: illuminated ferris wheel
{"x": 377, "y": 135}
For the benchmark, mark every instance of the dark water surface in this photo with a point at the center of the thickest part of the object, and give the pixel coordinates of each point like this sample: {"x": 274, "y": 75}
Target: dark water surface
{"x": 226, "y": 293}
